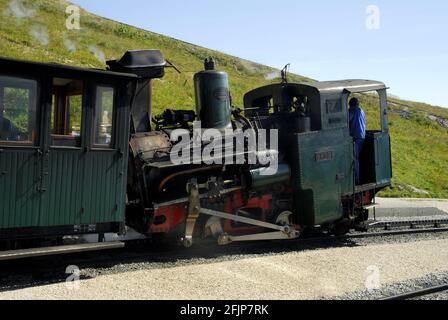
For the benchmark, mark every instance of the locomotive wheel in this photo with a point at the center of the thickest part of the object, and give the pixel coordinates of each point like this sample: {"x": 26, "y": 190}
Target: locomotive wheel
{"x": 362, "y": 216}
{"x": 341, "y": 228}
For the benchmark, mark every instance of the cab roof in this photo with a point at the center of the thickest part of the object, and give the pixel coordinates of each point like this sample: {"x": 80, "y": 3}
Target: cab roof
{"x": 352, "y": 86}
{"x": 316, "y": 88}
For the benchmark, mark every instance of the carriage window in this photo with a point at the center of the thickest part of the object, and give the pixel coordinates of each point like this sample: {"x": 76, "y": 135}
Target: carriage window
{"x": 18, "y": 110}
{"x": 104, "y": 111}
{"x": 66, "y": 114}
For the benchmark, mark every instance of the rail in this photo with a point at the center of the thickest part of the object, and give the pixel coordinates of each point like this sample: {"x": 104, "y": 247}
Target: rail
{"x": 417, "y": 293}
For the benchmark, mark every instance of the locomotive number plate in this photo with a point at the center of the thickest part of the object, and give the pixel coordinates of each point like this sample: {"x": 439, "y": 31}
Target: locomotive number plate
{"x": 324, "y": 156}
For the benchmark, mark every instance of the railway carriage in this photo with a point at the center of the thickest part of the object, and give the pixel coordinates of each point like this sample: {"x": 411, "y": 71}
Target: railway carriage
{"x": 63, "y": 150}
{"x": 81, "y": 153}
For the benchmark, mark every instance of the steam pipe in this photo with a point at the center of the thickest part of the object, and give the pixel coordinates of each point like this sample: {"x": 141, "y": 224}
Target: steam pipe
{"x": 182, "y": 173}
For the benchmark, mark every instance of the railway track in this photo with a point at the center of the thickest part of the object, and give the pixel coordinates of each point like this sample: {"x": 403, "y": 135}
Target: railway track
{"x": 381, "y": 228}
{"x": 394, "y": 233}
{"x": 316, "y": 237}
{"x": 376, "y": 229}
{"x": 418, "y": 293}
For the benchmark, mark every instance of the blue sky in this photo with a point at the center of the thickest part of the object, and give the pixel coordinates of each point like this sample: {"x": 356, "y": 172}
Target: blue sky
{"x": 322, "y": 39}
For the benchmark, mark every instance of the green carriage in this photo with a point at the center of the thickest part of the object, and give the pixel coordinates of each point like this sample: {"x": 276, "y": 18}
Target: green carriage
{"x": 63, "y": 149}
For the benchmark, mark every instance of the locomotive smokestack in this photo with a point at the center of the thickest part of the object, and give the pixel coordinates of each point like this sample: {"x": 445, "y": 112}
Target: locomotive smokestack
{"x": 209, "y": 64}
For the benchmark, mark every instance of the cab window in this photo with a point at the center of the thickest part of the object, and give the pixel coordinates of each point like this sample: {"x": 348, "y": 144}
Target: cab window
{"x": 104, "y": 112}
{"x": 18, "y": 100}
{"x": 370, "y": 103}
{"x": 66, "y": 117}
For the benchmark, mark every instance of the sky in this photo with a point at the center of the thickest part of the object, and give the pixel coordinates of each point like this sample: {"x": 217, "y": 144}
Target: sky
{"x": 400, "y": 42}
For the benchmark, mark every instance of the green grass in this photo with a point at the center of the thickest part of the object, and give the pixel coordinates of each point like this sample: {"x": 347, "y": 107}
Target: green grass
{"x": 419, "y": 146}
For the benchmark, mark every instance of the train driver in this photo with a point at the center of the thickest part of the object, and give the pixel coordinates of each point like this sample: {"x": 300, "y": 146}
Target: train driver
{"x": 358, "y": 132}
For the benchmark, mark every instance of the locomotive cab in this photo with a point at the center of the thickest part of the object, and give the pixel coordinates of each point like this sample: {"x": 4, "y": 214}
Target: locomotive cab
{"x": 375, "y": 158}
{"x": 313, "y": 124}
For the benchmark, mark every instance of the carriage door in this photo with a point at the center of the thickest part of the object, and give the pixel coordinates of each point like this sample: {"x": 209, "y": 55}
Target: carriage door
{"x": 20, "y": 153}
{"x": 64, "y": 156}
{"x": 105, "y": 171}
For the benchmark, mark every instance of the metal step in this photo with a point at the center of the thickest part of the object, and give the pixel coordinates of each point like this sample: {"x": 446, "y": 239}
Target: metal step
{"x": 58, "y": 250}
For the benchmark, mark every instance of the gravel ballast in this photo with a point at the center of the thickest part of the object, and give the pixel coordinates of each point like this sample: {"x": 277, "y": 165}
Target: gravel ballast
{"x": 306, "y": 274}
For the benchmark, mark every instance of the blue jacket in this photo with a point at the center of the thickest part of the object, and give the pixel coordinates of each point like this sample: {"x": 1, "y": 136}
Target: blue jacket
{"x": 357, "y": 123}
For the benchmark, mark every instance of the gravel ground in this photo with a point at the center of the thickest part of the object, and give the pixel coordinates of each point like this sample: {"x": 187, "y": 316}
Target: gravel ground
{"x": 284, "y": 271}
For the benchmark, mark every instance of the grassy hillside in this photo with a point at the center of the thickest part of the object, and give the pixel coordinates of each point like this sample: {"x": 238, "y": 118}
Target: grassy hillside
{"x": 35, "y": 30}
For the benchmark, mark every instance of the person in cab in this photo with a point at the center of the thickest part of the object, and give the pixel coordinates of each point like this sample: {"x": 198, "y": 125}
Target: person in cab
{"x": 358, "y": 132}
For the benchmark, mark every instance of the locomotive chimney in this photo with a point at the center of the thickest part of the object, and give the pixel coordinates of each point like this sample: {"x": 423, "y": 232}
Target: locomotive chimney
{"x": 147, "y": 65}
{"x": 209, "y": 64}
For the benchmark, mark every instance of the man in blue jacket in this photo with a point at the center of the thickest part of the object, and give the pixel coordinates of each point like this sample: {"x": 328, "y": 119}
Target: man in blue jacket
{"x": 357, "y": 131}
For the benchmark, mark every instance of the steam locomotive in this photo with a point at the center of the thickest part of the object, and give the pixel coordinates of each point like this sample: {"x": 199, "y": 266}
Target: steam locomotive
{"x": 83, "y": 154}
